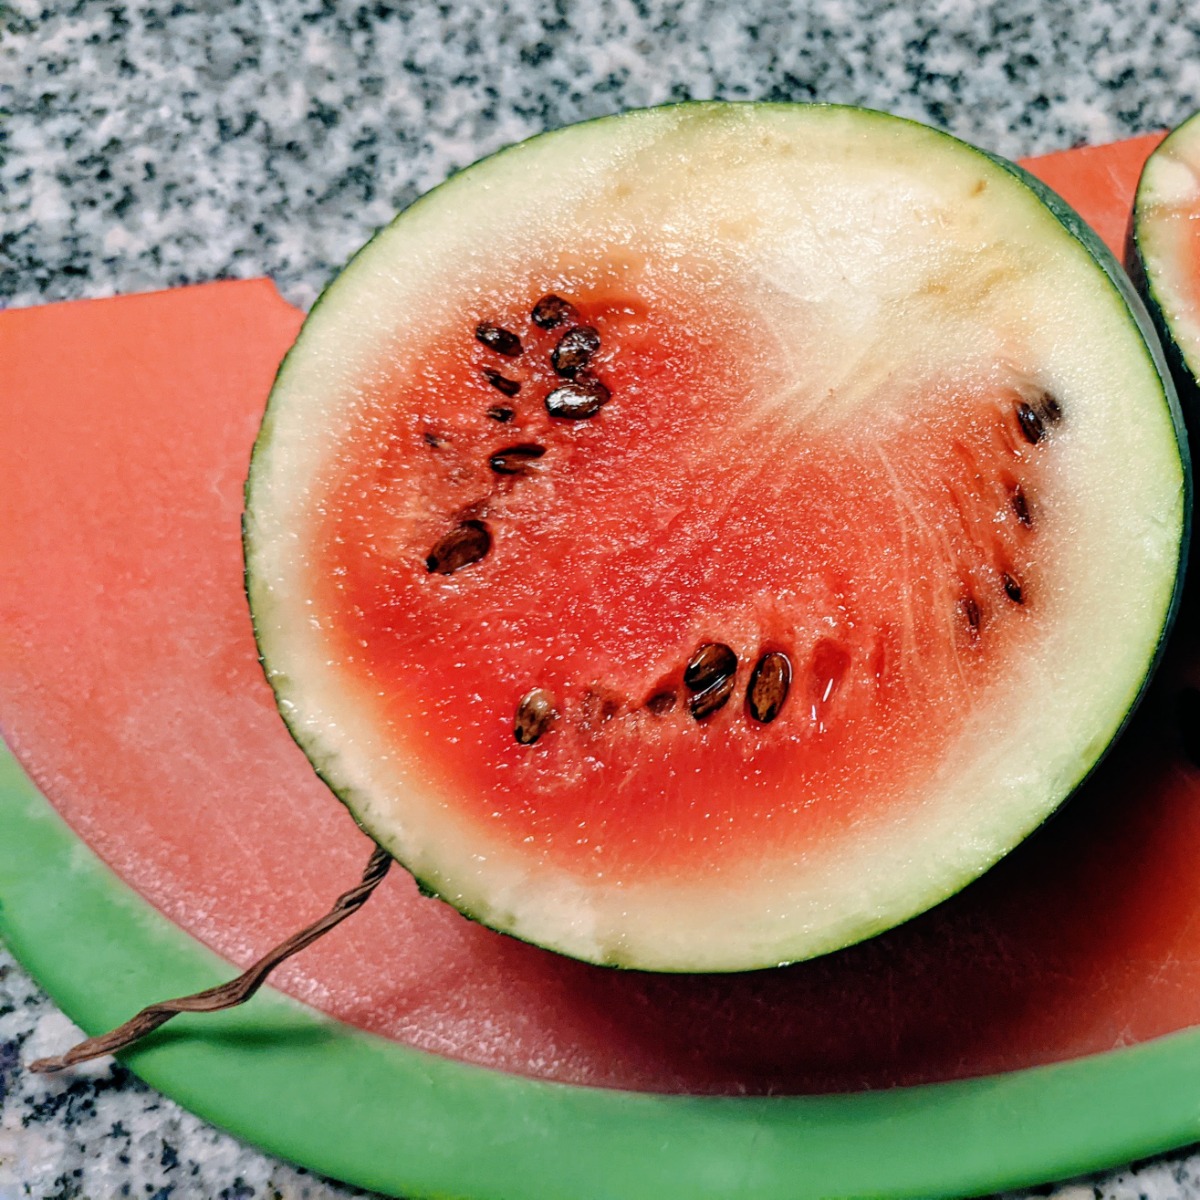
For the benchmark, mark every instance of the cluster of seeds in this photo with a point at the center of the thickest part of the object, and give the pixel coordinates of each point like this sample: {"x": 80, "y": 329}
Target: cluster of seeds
{"x": 579, "y": 397}
{"x": 1035, "y": 418}
{"x": 582, "y": 394}
{"x": 709, "y": 676}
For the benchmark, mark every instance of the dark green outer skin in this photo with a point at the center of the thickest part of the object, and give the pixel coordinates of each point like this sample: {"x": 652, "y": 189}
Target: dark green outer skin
{"x": 1074, "y": 225}
{"x": 1185, "y": 374}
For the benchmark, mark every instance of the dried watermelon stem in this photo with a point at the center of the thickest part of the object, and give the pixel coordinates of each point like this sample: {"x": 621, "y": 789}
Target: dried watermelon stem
{"x": 227, "y": 995}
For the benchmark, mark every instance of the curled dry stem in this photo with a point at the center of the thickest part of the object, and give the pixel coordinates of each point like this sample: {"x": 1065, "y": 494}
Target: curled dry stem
{"x": 227, "y": 995}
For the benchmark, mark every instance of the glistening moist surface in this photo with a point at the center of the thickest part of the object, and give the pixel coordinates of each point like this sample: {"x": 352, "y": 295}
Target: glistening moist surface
{"x": 890, "y": 555}
{"x": 859, "y": 406}
{"x": 134, "y": 697}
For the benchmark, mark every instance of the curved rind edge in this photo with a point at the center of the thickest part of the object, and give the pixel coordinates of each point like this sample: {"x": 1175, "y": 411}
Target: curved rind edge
{"x": 1143, "y": 318}
{"x": 1127, "y": 296}
{"x": 1186, "y": 375}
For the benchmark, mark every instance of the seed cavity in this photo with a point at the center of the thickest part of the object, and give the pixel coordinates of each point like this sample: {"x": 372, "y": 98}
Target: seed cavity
{"x": 769, "y": 684}
{"x": 1020, "y": 506}
{"x": 574, "y": 350}
{"x": 551, "y": 311}
{"x": 578, "y": 400}
{"x": 598, "y": 709}
{"x": 1032, "y": 427}
{"x": 1050, "y": 408}
{"x": 497, "y": 338}
{"x": 515, "y": 460}
{"x": 661, "y": 702}
{"x": 534, "y": 715}
{"x": 968, "y": 609}
{"x": 706, "y": 702}
{"x": 499, "y": 412}
{"x": 466, "y": 543}
{"x": 1012, "y": 589}
{"x": 710, "y": 662}
{"x": 502, "y": 383}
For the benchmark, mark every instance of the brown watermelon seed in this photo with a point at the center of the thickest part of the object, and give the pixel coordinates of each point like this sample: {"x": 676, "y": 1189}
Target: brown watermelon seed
{"x": 501, "y": 413}
{"x": 510, "y": 387}
{"x": 551, "y": 311}
{"x": 1187, "y": 715}
{"x": 710, "y": 662}
{"x": 968, "y": 607}
{"x": 1031, "y": 424}
{"x": 769, "y": 684}
{"x": 494, "y": 337}
{"x": 576, "y": 401}
{"x": 432, "y": 439}
{"x": 574, "y": 350}
{"x": 661, "y": 702}
{"x": 466, "y": 543}
{"x": 535, "y": 712}
{"x": 1021, "y": 506}
{"x": 514, "y": 460}
{"x": 1012, "y": 589}
{"x": 706, "y": 702}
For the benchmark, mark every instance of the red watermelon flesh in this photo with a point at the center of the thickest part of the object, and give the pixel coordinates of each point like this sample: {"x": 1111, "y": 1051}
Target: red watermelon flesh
{"x": 132, "y": 694}
{"x": 660, "y": 575}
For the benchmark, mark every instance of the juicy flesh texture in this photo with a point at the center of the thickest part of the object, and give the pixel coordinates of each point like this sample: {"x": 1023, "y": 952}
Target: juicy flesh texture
{"x": 874, "y": 552}
{"x": 134, "y": 697}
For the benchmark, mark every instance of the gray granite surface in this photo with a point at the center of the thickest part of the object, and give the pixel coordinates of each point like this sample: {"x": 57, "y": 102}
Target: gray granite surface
{"x": 145, "y": 145}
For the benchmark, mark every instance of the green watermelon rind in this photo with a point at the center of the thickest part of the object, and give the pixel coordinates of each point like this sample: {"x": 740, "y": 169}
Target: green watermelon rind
{"x": 1143, "y": 270}
{"x": 1128, "y": 301}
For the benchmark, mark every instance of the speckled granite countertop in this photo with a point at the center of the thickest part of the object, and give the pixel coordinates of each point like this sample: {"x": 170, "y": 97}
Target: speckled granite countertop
{"x": 145, "y": 145}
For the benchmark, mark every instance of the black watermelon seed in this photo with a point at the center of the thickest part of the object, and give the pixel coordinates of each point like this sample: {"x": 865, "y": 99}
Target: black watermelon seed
{"x": 535, "y": 712}
{"x": 574, "y": 350}
{"x": 432, "y": 439}
{"x": 510, "y": 387}
{"x": 710, "y": 662}
{"x": 513, "y": 460}
{"x": 576, "y": 401}
{"x": 969, "y": 609}
{"x": 1051, "y": 409}
{"x": 1031, "y": 424}
{"x": 466, "y": 543}
{"x": 1012, "y": 589}
{"x": 1187, "y": 714}
{"x": 769, "y": 684}
{"x": 501, "y": 413}
{"x": 1021, "y": 506}
{"x": 494, "y": 337}
{"x": 706, "y": 702}
{"x": 551, "y": 311}
{"x": 661, "y": 702}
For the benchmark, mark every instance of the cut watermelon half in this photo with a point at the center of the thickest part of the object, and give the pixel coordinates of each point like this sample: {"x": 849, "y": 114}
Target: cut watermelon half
{"x": 1165, "y": 249}
{"x": 700, "y": 539}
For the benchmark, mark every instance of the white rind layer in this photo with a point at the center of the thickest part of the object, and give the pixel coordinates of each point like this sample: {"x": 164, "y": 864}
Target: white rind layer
{"x": 874, "y": 238}
{"x": 1168, "y": 202}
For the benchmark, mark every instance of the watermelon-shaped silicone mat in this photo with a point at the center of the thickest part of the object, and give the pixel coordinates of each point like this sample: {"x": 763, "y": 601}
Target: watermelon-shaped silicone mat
{"x": 1036, "y": 1026}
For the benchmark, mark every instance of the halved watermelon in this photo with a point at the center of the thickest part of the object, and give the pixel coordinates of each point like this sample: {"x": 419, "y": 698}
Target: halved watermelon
{"x": 1165, "y": 248}
{"x": 703, "y": 538}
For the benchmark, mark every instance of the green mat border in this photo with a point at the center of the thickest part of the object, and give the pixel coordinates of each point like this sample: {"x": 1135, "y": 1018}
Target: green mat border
{"x": 383, "y": 1116}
